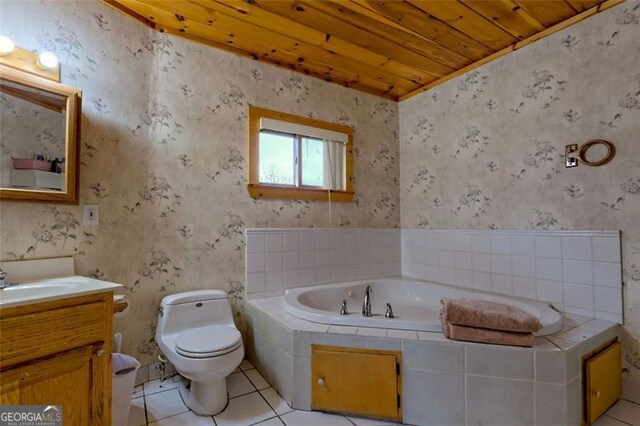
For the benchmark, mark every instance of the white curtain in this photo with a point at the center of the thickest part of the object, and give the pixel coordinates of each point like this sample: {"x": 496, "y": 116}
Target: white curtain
{"x": 334, "y": 170}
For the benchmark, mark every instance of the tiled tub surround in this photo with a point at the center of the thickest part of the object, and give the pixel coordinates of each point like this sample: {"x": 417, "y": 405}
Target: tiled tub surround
{"x": 444, "y": 382}
{"x": 578, "y": 271}
{"x": 279, "y": 259}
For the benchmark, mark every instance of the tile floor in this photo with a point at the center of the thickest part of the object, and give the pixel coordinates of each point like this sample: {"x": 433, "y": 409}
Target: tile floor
{"x": 252, "y": 401}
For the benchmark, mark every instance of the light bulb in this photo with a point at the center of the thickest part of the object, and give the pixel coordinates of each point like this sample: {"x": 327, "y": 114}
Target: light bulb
{"x": 47, "y": 60}
{"x": 6, "y": 46}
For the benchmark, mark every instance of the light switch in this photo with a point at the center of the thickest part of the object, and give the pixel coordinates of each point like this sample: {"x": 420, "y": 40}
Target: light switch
{"x": 90, "y": 214}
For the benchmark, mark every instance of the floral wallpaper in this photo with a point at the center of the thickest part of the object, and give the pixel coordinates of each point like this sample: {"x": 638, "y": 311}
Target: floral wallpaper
{"x": 163, "y": 153}
{"x": 42, "y": 132}
{"x": 486, "y": 150}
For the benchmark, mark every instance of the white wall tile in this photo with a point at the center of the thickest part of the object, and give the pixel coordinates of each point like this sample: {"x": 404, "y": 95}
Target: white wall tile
{"x": 463, "y": 278}
{"x": 579, "y": 296}
{"x": 577, "y": 271}
{"x": 463, "y": 260}
{"x": 607, "y": 274}
{"x": 523, "y": 245}
{"x": 255, "y": 282}
{"x": 524, "y": 266}
{"x": 323, "y": 258}
{"x": 501, "y": 284}
{"x": 550, "y": 291}
{"x": 606, "y": 249}
{"x": 308, "y": 259}
{"x": 524, "y": 287}
{"x": 291, "y": 241}
{"x": 273, "y": 262}
{"x": 576, "y": 248}
{"x": 447, "y": 259}
{"x": 463, "y": 241}
{"x": 292, "y": 278}
{"x": 501, "y": 264}
{"x": 481, "y": 262}
{"x": 448, "y": 241}
{"x": 274, "y": 242}
{"x": 481, "y": 281}
{"x": 255, "y": 243}
{"x": 323, "y": 240}
{"x": 255, "y": 262}
{"x": 291, "y": 260}
{"x": 274, "y": 281}
{"x": 307, "y": 241}
{"x": 481, "y": 243}
{"x": 501, "y": 244}
{"x": 447, "y": 275}
{"x": 550, "y": 247}
{"x": 607, "y": 300}
{"x": 337, "y": 240}
{"x": 549, "y": 269}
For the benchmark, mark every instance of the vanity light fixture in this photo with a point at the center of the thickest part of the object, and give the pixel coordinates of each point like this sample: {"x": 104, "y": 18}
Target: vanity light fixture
{"x": 6, "y": 45}
{"x": 47, "y": 60}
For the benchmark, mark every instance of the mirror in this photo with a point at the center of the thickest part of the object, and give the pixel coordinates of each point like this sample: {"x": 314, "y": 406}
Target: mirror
{"x": 40, "y": 122}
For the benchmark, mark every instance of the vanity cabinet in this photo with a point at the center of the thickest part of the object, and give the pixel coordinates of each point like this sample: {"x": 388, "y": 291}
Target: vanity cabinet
{"x": 356, "y": 381}
{"x": 59, "y": 353}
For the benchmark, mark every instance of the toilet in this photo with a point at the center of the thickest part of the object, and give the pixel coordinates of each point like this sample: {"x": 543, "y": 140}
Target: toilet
{"x": 196, "y": 333}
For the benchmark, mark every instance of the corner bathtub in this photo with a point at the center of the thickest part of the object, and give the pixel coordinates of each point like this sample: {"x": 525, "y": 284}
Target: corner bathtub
{"x": 416, "y": 304}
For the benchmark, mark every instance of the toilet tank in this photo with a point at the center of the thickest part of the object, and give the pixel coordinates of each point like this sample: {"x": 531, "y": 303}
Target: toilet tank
{"x": 181, "y": 311}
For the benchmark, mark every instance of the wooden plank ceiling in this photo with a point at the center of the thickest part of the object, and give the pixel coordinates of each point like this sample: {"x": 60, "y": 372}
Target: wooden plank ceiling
{"x": 394, "y": 48}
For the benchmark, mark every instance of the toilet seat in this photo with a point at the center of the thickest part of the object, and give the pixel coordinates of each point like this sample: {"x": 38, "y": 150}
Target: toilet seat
{"x": 208, "y": 341}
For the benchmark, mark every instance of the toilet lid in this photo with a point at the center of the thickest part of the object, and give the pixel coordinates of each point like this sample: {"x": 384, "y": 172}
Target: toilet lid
{"x": 208, "y": 341}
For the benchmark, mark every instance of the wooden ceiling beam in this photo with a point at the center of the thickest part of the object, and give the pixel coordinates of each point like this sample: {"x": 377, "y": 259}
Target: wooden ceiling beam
{"x": 416, "y": 20}
{"x": 288, "y": 27}
{"x": 506, "y": 15}
{"x": 466, "y": 21}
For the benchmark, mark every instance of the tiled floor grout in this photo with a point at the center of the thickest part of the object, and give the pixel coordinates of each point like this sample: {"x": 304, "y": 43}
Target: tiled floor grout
{"x": 275, "y": 414}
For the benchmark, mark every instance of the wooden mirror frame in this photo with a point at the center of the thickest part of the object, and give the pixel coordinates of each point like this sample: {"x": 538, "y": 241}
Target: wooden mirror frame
{"x": 72, "y": 142}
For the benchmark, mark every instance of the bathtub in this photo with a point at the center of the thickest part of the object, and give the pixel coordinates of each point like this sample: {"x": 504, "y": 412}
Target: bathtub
{"x": 416, "y": 304}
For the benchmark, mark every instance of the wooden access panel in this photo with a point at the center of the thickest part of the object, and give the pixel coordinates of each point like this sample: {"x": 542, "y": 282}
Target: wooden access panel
{"x": 603, "y": 381}
{"x": 356, "y": 381}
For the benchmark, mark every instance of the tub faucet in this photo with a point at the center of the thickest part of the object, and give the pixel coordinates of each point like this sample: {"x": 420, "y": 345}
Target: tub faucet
{"x": 366, "y": 304}
{"x": 3, "y": 278}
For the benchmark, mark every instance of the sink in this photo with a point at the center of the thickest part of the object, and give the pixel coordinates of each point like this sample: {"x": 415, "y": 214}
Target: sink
{"x": 51, "y": 289}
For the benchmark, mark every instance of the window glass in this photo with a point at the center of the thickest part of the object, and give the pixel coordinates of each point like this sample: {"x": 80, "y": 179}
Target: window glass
{"x": 277, "y": 158}
{"x": 312, "y": 159}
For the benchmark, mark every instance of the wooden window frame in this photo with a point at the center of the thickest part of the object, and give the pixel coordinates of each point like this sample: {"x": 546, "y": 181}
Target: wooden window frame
{"x": 262, "y": 190}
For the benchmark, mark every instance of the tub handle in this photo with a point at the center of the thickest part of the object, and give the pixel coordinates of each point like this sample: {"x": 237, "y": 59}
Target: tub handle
{"x": 344, "y": 310}
{"x": 321, "y": 381}
{"x": 389, "y": 313}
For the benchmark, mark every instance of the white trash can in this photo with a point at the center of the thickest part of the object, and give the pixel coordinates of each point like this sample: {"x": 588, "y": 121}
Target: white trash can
{"x": 124, "y": 378}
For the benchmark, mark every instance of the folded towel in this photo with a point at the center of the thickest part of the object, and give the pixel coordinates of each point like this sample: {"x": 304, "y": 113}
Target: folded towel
{"x": 484, "y": 335}
{"x": 488, "y": 315}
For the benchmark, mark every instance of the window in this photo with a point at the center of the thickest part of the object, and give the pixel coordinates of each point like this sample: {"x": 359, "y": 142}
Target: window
{"x": 299, "y": 157}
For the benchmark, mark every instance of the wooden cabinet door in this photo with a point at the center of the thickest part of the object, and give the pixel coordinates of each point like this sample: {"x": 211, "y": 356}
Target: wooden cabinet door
{"x": 73, "y": 379}
{"x": 356, "y": 381}
{"x": 603, "y": 380}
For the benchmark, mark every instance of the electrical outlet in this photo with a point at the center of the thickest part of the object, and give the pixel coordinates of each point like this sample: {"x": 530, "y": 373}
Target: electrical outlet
{"x": 90, "y": 214}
